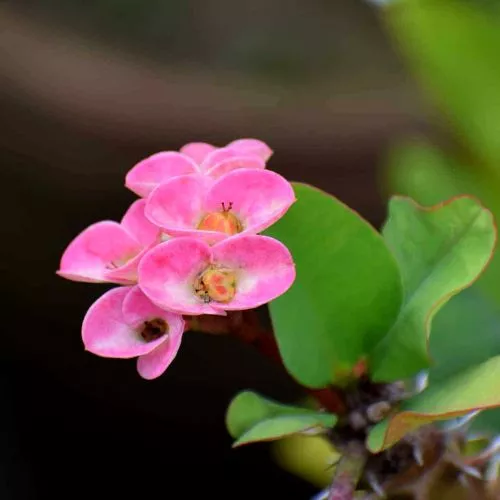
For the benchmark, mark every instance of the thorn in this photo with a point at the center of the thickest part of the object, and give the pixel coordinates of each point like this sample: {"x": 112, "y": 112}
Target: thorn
{"x": 492, "y": 450}
{"x": 375, "y": 485}
{"x": 465, "y": 469}
{"x": 322, "y": 495}
{"x": 421, "y": 381}
{"x": 460, "y": 424}
{"x": 471, "y": 471}
{"x": 418, "y": 454}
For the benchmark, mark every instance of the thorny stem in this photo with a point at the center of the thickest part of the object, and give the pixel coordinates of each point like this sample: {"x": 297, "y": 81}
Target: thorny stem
{"x": 348, "y": 472}
{"x": 246, "y": 326}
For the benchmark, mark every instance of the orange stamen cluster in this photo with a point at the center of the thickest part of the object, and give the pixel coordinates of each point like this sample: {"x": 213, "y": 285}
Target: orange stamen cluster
{"x": 218, "y": 285}
{"x": 223, "y": 221}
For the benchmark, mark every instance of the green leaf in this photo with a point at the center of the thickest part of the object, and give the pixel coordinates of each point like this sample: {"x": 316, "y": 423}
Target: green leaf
{"x": 419, "y": 170}
{"x": 473, "y": 389}
{"x": 440, "y": 250}
{"x": 250, "y": 418}
{"x": 347, "y": 292}
{"x": 431, "y": 33}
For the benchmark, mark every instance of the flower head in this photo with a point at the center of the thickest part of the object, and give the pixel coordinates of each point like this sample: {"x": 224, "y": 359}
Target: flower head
{"x": 188, "y": 276}
{"x": 124, "y": 323}
{"x": 196, "y": 158}
{"x": 243, "y": 201}
{"x": 109, "y": 251}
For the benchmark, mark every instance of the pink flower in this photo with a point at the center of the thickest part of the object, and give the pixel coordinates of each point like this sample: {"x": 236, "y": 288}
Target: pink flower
{"x": 109, "y": 251}
{"x": 123, "y": 323}
{"x": 242, "y": 201}
{"x": 188, "y": 276}
{"x": 200, "y": 158}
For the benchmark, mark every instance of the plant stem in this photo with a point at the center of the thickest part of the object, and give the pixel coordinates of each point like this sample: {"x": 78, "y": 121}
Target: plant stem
{"x": 348, "y": 472}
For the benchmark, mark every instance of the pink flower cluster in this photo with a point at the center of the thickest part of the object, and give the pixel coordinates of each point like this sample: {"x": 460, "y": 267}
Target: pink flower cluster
{"x": 188, "y": 246}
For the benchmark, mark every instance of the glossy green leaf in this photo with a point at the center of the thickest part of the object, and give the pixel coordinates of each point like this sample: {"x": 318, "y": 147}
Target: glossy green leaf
{"x": 452, "y": 47}
{"x": 347, "y": 293}
{"x": 473, "y": 389}
{"x": 251, "y": 418}
{"x": 440, "y": 250}
{"x": 419, "y": 170}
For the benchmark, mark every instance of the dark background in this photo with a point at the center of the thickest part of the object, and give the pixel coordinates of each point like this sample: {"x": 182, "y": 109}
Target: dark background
{"x": 87, "y": 89}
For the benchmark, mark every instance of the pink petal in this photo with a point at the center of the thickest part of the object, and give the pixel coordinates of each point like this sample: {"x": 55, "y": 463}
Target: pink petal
{"x": 259, "y": 197}
{"x": 197, "y": 151}
{"x": 252, "y": 146}
{"x": 167, "y": 274}
{"x": 91, "y": 254}
{"x": 155, "y": 169}
{"x": 153, "y": 364}
{"x": 136, "y": 223}
{"x": 106, "y": 332}
{"x": 216, "y": 156}
{"x": 177, "y": 206}
{"x": 126, "y": 274}
{"x": 137, "y": 308}
{"x": 265, "y": 269}
{"x": 229, "y": 164}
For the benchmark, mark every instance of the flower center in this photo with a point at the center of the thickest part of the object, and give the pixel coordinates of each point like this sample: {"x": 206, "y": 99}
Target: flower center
{"x": 153, "y": 329}
{"x": 216, "y": 284}
{"x": 223, "y": 221}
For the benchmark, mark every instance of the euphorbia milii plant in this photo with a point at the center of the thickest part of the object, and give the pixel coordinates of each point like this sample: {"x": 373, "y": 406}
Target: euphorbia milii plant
{"x": 351, "y": 308}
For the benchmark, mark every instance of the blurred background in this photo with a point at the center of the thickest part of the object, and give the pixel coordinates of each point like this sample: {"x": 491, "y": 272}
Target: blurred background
{"x": 359, "y": 101}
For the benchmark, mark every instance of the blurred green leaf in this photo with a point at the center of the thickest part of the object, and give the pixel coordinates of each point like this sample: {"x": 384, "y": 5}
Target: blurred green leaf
{"x": 464, "y": 333}
{"x": 250, "y": 418}
{"x": 440, "y": 250}
{"x": 347, "y": 293}
{"x": 453, "y": 46}
{"x": 418, "y": 169}
{"x": 473, "y": 389}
